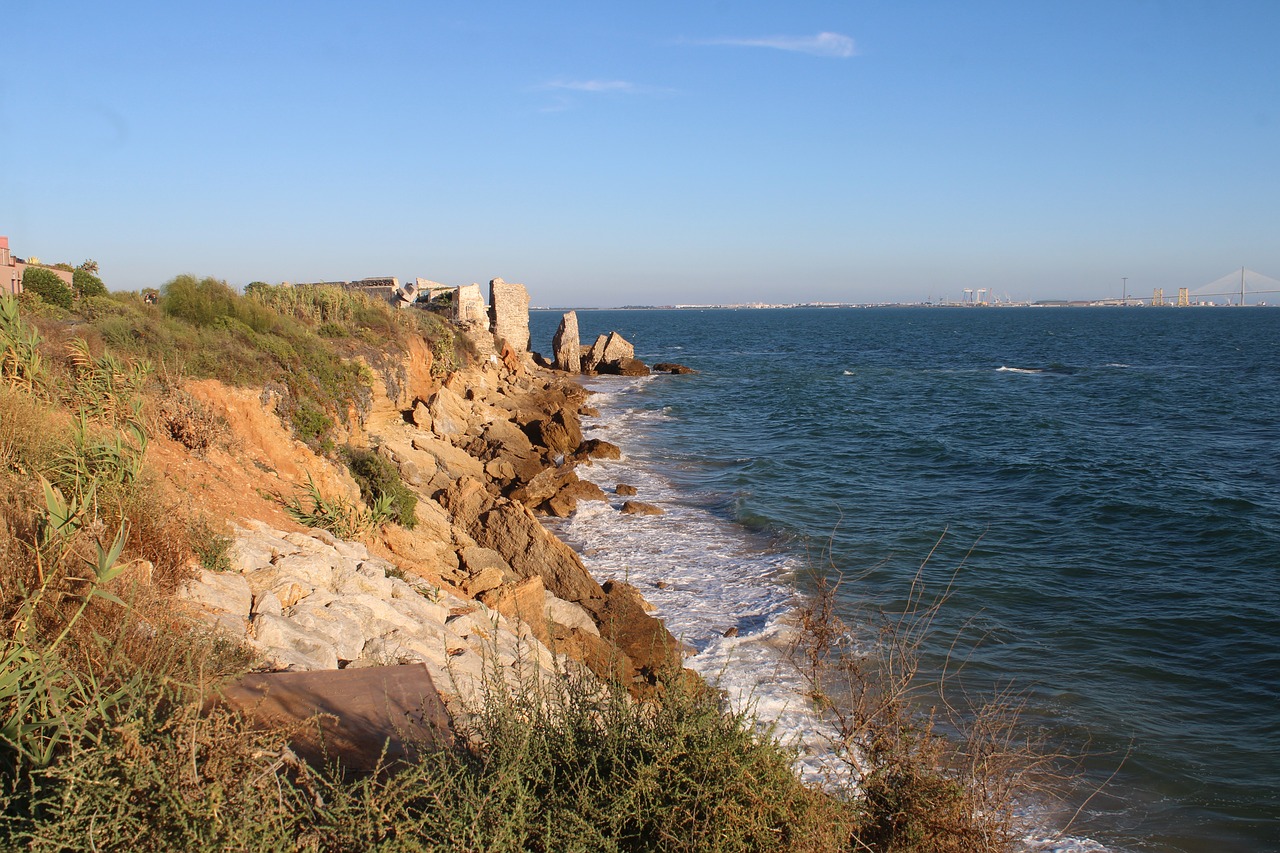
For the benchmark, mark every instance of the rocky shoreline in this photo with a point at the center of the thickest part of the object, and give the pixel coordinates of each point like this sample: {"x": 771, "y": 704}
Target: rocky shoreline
{"x": 478, "y": 584}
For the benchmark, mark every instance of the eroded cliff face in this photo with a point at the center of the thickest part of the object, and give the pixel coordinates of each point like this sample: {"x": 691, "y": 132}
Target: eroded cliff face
{"x": 485, "y": 450}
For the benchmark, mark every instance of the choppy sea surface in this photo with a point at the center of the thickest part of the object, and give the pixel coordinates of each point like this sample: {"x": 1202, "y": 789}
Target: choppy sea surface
{"x": 1103, "y": 484}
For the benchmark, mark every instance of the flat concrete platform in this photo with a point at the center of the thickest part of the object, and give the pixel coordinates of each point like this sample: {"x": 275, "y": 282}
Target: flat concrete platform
{"x": 360, "y": 713}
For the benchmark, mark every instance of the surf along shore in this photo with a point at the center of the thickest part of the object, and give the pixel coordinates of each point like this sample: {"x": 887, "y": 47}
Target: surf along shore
{"x": 416, "y": 552}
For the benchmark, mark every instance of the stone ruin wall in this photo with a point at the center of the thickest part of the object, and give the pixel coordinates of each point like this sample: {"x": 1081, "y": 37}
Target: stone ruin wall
{"x": 509, "y": 313}
{"x": 469, "y": 309}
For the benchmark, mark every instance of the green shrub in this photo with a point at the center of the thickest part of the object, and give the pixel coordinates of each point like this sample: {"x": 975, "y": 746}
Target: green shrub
{"x": 204, "y": 301}
{"x": 380, "y": 480}
{"x": 211, "y": 547}
{"x": 46, "y": 284}
{"x": 312, "y": 426}
{"x": 85, "y": 283}
{"x": 561, "y": 766}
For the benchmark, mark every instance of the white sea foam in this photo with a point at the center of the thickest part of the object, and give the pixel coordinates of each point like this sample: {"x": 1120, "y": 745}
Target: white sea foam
{"x": 705, "y": 575}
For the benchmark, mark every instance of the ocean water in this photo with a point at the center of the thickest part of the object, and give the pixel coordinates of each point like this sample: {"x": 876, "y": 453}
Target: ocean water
{"x": 1100, "y": 487}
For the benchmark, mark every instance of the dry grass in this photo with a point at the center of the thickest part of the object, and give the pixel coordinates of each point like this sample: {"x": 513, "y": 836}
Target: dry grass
{"x": 932, "y": 767}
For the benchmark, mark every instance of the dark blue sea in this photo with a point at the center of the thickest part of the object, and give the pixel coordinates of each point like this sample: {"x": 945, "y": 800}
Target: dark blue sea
{"x": 1102, "y": 484}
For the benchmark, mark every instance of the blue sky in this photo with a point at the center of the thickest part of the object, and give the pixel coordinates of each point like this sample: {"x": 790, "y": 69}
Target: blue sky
{"x": 612, "y": 153}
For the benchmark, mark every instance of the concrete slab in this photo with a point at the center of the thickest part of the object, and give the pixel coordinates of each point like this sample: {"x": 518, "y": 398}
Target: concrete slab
{"x": 362, "y": 711}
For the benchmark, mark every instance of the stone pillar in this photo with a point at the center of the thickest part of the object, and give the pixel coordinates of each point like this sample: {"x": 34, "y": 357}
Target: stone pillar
{"x": 567, "y": 347}
{"x": 509, "y": 313}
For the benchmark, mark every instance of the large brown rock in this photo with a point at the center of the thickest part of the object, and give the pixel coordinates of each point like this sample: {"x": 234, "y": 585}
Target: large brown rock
{"x": 429, "y": 464}
{"x": 545, "y": 485}
{"x": 531, "y": 550}
{"x": 641, "y": 508}
{"x": 650, "y": 648}
{"x": 567, "y": 346}
{"x": 560, "y": 434}
{"x": 525, "y": 600}
{"x": 616, "y": 348}
{"x": 566, "y": 500}
{"x": 592, "y": 357}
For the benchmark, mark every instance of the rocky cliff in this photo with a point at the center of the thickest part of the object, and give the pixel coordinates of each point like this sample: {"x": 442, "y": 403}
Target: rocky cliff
{"x": 478, "y": 582}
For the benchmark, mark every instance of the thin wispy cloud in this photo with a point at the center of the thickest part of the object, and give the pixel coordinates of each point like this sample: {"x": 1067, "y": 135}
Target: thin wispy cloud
{"x": 597, "y": 86}
{"x": 565, "y": 90}
{"x": 831, "y": 45}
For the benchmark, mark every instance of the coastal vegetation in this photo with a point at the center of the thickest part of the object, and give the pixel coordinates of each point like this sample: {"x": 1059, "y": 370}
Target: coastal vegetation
{"x": 107, "y": 741}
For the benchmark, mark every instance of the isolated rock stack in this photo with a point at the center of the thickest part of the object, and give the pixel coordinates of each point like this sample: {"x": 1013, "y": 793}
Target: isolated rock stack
{"x": 566, "y": 345}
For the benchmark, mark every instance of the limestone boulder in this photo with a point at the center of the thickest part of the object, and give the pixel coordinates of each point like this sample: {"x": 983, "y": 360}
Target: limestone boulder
{"x": 225, "y": 592}
{"x": 616, "y": 348}
{"x": 592, "y": 356}
{"x": 291, "y": 645}
{"x": 421, "y": 415}
{"x": 566, "y": 344}
{"x": 338, "y": 628}
{"x": 559, "y": 434}
{"x": 427, "y": 555}
{"x": 449, "y": 412}
{"x": 673, "y": 368}
{"x": 450, "y": 461}
{"x": 544, "y": 485}
{"x": 568, "y": 615}
{"x": 524, "y": 600}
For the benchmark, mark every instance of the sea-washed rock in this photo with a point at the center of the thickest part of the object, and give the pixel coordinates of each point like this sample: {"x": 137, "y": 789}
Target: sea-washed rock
{"x": 641, "y": 508}
{"x": 673, "y": 368}
{"x": 594, "y": 355}
{"x": 566, "y": 500}
{"x": 624, "y": 367}
{"x": 616, "y": 348}
{"x": 597, "y": 448}
{"x": 567, "y": 346}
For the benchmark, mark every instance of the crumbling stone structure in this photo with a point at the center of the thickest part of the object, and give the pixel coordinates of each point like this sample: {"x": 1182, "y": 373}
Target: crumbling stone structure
{"x": 509, "y": 313}
{"x": 469, "y": 309}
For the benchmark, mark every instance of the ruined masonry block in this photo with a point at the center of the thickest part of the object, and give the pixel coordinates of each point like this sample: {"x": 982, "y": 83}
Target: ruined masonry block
{"x": 509, "y": 313}
{"x": 469, "y": 307}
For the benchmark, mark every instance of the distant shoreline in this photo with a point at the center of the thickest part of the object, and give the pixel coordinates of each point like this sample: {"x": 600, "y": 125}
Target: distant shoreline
{"x": 1044, "y": 303}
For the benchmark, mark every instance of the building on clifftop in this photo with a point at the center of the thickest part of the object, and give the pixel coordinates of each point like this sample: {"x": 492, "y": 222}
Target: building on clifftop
{"x": 11, "y": 270}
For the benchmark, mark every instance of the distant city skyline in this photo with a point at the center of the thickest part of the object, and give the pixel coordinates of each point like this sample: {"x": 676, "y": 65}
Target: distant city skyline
{"x": 658, "y": 154}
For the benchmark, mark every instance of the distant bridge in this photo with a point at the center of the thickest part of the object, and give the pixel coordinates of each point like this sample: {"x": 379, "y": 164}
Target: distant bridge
{"x": 1234, "y": 288}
